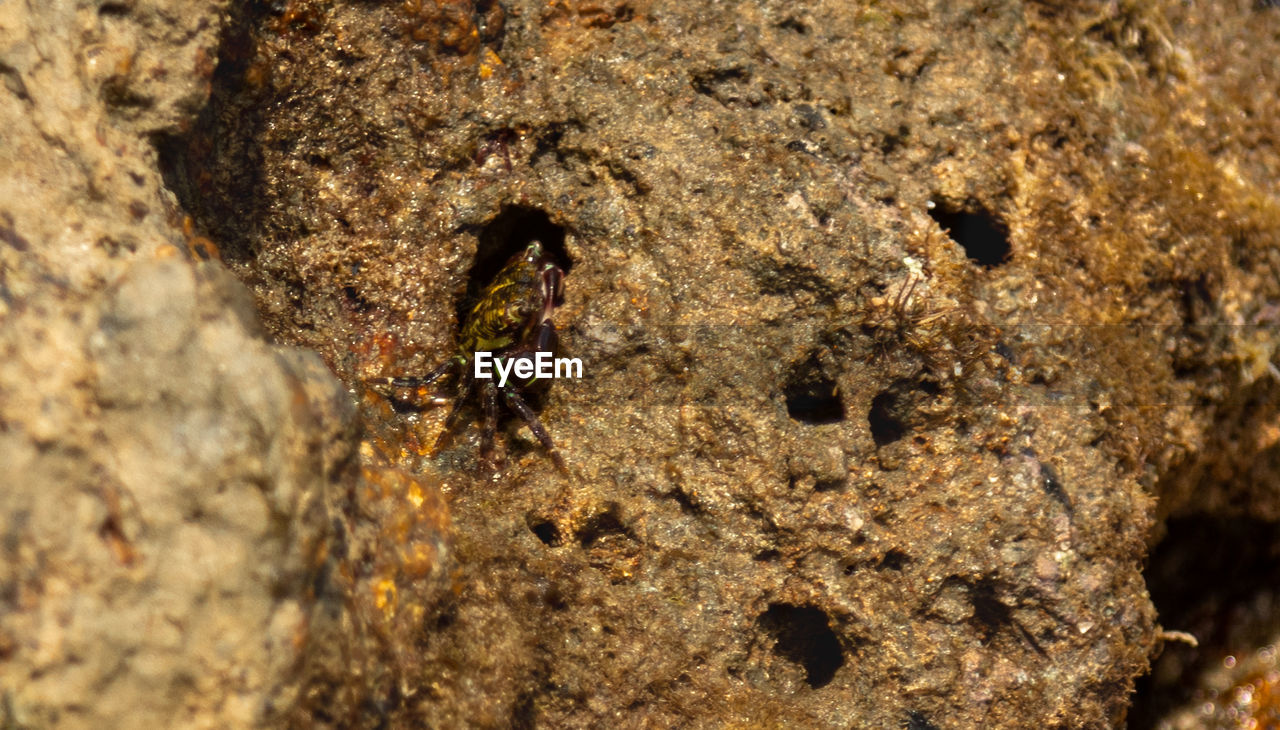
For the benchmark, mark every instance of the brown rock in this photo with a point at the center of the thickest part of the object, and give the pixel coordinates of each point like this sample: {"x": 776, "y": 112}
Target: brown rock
{"x": 897, "y": 323}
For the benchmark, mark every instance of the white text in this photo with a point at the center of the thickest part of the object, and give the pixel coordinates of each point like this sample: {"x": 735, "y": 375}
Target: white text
{"x": 531, "y": 366}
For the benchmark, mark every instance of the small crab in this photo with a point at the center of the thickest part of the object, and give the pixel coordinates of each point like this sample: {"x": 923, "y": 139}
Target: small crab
{"x": 512, "y": 320}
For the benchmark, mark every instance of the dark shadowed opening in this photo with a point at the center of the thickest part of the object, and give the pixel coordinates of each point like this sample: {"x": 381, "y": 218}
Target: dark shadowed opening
{"x": 544, "y": 530}
{"x": 1218, "y": 578}
{"x": 897, "y": 410}
{"x": 601, "y": 526}
{"x": 804, "y": 636}
{"x": 918, "y": 721}
{"x": 505, "y": 236}
{"x": 981, "y": 234}
{"x": 885, "y": 427}
{"x": 990, "y": 615}
{"x": 812, "y": 396}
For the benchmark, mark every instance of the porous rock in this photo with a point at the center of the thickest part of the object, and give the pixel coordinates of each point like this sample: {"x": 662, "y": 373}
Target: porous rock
{"x": 899, "y": 321}
{"x": 169, "y": 554}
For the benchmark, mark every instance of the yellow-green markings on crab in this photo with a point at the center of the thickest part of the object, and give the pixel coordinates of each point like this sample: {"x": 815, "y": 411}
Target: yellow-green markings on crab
{"x": 510, "y": 325}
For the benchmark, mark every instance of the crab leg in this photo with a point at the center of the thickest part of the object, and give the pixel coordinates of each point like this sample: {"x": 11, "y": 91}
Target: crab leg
{"x": 546, "y": 336}
{"x": 489, "y": 392}
{"x": 522, "y": 409}
{"x": 418, "y": 382}
{"x": 451, "y": 420}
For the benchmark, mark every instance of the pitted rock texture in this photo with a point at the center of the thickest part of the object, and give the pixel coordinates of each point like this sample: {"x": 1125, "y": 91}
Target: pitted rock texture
{"x": 896, "y": 321}
{"x": 903, "y": 324}
{"x": 181, "y": 501}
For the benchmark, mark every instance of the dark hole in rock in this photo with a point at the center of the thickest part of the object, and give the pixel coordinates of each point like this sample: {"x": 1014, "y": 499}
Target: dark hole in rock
{"x": 555, "y": 599}
{"x": 355, "y": 299}
{"x": 114, "y": 9}
{"x": 885, "y": 426}
{"x": 804, "y": 636}
{"x": 600, "y": 527}
{"x": 214, "y": 167}
{"x": 448, "y": 617}
{"x": 982, "y": 235}
{"x": 1215, "y": 577}
{"x": 514, "y": 228}
{"x": 812, "y": 396}
{"x": 917, "y": 721}
{"x": 524, "y": 713}
{"x": 545, "y": 530}
{"x": 794, "y": 23}
{"x": 990, "y": 615}
{"x": 893, "y": 560}
{"x": 896, "y": 140}
{"x": 687, "y": 505}
{"x": 899, "y": 408}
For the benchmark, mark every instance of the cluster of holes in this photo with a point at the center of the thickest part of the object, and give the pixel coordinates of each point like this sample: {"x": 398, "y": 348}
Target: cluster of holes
{"x": 894, "y": 559}
{"x": 982, "y": 235}
{"x": 803, "y": 635}
{"x": 813, "y": 398}
{"x": 594, "y": 531}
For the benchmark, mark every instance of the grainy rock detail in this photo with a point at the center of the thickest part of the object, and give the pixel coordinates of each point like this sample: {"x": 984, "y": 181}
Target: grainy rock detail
{"x": 180, "y": 500}
{"x": 908, "y": 328}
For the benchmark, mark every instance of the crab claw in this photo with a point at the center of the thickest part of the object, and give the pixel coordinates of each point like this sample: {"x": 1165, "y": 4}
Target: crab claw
{"x": 552, "y": 289}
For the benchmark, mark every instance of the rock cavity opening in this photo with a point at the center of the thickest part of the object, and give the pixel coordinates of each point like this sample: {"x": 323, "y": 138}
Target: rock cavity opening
{"x": 982, "y": 235}
{"x": 545, "y": 530}
{"x": 812, "y": 396}
{"x": 803, "y": 635}
{"x": 504, "y": 236}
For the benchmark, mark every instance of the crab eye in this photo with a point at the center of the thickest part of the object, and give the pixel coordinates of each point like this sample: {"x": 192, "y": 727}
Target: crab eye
{"x": 534, "y": 252}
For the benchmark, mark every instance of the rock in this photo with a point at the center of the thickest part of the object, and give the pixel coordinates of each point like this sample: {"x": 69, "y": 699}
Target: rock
{"x": 162, "y": 544}
{"x": 174, "y": 486}
{"x": 902, "y": 328}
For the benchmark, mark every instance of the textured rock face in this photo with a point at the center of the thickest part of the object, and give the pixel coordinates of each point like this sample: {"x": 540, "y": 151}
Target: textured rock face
{"x": 896, "y": 320}
{"x": 159, "y": 551}
{"x": 167, "y": 477}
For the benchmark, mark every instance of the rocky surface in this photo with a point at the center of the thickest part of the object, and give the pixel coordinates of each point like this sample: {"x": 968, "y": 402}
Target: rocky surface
{"x": 169, "y": 556}
{"x": 903, "y": 325}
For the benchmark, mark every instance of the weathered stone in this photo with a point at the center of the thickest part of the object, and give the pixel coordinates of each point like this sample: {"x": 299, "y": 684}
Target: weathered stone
{"x": 902, "y": 324}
